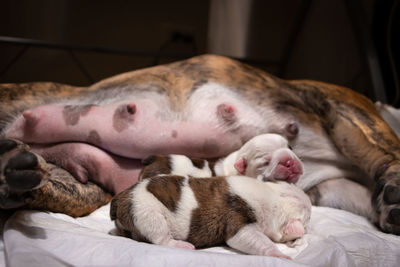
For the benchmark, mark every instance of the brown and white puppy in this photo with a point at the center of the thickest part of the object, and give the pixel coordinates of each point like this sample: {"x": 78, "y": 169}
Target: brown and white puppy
{"x": 266, "y": 157}
{"x": 181, "y": 208}
{"x": 244, "y": 213}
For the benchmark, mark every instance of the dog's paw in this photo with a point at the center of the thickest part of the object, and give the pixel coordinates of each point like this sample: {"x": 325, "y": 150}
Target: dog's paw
{"x": 386, "y": 201}
{"x": 21, "y": 171}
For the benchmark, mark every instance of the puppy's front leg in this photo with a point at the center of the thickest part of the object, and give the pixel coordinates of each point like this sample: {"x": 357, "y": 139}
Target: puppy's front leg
{"x": 251, "y": 240}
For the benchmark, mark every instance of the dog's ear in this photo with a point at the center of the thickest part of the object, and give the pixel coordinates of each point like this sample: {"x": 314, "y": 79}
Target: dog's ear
{"x": 241, "y": 165}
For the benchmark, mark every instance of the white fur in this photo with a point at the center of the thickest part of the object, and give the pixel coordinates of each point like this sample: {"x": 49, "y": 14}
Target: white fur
{"x": 321, "y": 160}
{"x": 257, "y": 151}
{"x": 156, "y": 222}
{"x": 182, "y": 165}
{"x": 251, "y": 240}
{"x": 274, "y": 205}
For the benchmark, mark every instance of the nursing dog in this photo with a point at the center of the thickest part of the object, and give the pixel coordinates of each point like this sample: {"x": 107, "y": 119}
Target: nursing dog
{"x": 177, "y": 204}
{"x": 206, "y": 106}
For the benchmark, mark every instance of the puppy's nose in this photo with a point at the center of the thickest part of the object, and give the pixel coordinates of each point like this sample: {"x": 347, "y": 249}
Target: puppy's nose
{"x": 294, "y": 165}
{"x": 289, "y": 163}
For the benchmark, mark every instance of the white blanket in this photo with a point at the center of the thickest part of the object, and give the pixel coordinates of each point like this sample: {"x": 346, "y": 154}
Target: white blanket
{"x": 334, "y": 238}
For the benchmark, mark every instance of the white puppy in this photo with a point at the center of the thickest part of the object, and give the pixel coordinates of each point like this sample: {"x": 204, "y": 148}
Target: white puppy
{"x": 267, "y": 157}
{"x": 173, "y": 209}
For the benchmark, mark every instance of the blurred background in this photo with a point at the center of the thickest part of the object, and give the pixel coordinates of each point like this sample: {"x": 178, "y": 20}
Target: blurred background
{"x": 354, "y": 43}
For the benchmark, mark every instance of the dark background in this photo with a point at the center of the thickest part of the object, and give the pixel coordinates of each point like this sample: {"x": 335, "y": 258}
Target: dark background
{"x": 354, "y": 43}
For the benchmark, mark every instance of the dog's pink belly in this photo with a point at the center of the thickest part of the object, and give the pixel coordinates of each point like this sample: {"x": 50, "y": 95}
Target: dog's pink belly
{"x": 131, "y": 129}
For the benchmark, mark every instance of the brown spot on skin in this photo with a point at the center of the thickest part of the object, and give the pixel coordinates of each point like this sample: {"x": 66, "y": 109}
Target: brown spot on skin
{"x": 167, "y": 189}
{"x": 123, "y": 116}
{"x": 155, "y": 165}
{"x": 72, "y": 113}
{"x": 220, "y": 214}
{"x": 211, "y": 147}
{"x": 94, "y": 138}
{"x": 174, "y": 134}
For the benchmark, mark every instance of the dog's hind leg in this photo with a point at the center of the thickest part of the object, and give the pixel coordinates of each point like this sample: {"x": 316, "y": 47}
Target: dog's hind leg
{"x": 360, "y": 133}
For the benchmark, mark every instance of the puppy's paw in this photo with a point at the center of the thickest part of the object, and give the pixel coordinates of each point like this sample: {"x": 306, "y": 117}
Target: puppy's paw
{"x": 181, "y": 244}
{"x": 21, "y": 171}
{"x": 386, "y": 201}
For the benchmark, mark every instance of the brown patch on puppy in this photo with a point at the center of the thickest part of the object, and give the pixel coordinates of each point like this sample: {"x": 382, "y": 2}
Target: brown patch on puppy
{"x": 167, "y": 189}
{"x": 123, "y": 116}
{"x": 72, "y": 113}
{"x": 174, "y": 134}
{"x": 198, "y": 163}
{"x": 122, "y": 211}
{"x": 94, "y": 137}
{"x": 155, "y": 165}
{"x": 220, "y": 214}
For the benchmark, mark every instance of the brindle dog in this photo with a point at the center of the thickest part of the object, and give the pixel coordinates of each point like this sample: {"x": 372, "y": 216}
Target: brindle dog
{"x": 336, "y": 132}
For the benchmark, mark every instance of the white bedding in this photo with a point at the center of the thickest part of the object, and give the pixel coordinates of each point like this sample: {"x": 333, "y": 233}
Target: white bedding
{"x": 334, "y": 238}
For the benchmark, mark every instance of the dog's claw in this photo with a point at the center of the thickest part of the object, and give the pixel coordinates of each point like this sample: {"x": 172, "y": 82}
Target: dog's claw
{"x": 21, "y": 171}
{"x": 394, "y": 216}
{"x": 386, "y": 201}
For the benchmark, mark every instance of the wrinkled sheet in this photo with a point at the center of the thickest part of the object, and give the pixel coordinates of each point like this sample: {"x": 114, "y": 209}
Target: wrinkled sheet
{"x": 334, "y": 238}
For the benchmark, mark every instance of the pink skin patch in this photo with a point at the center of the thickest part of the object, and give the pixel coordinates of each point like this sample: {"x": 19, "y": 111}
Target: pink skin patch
{"x": 293, "y": 169}
{"x": 227, "y": 113}
{"x": 30, "y": 118}
{"x": 181, "y": 244}
{"x": 289, "y": 169}
{"x": 128, "y": 129}
{"x": 241, "y": 165}
{"x": 86, "y": 162}
{"x": 294, "y": 229}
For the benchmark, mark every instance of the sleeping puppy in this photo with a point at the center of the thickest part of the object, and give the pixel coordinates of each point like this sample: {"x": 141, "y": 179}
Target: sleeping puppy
{"x": 266, "y": 157}
{"x": 171, "y": 206}
{"x": 244, "y": 213}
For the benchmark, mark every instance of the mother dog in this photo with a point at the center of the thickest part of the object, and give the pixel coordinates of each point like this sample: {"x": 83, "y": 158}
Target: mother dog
{"x": 206, "y": 106}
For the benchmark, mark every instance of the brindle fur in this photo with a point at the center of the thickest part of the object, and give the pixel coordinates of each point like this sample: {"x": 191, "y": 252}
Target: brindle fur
{"x": 63, "y": 194}
{"x": 348, "y": 118}
{"x": 60, "y": 192}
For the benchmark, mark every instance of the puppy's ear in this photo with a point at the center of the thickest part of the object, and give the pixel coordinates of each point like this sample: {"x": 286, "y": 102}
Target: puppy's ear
{"x": 241, "y": 165}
